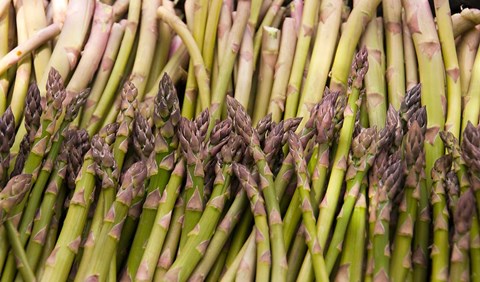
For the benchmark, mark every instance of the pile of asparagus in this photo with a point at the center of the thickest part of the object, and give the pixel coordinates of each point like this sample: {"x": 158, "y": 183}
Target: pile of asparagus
{"x": 170, "y": 141}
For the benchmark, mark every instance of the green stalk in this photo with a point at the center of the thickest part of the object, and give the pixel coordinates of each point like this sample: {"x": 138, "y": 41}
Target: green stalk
{"x": 200, "y": 72}
{"x": 421, "y": 239}
{"x": 432, "y": 76}
{"x": 301, "y": 52}
{"x": 199, "y": 23}
{"x": 376, "y": 92}
{"x": 162, "y": 222}
{"x": 392, "y": 18}
{"x": 220, "y": 236}
{"x": 210, "y": 37}
{"x": 121, "y": 60}
{"x": 246, "y": 268}
{"x": 452, "y": 71}
{"x": 36, "y": 21}
{"x": 17, "y": 248}
{"x": 308, "y": 215}
{"x": 322, "y": 56}
{"x": 466, "y": 52}
{"x": 228, "y": 60}
{"x": 217, "y": 269}
{"x": 440, "y": 257}
{"x": 4, "y": 28}
{"x": 244, "y": 81}
{"x": 351, "y": 263}
{"x": 104, "y": 71}
{"x": 465, "y": 20}
{"x": 361, "y": 14}
{"x": 411, "y": 67}
{"x": 269, "y": 55}
{"x": 109, "y": 236}
{"x": 283, "y": 68}
{"x": 61, "y": 259}
{"x": 267, "y": 21}
{"x": 471, "y": 111}
{"x": 248, "y": 247}
{"x": 70, "y": 42}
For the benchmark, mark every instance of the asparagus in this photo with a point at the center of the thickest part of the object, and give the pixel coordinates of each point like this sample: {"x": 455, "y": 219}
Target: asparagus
{"x": 7, "y": 137}
{"x": 14, "y": 191}
{"x": 470, "y": 152}
{"x": 440, "y": 251}
{"x": 459, "y": 262}
{"x": 104, "y": 250}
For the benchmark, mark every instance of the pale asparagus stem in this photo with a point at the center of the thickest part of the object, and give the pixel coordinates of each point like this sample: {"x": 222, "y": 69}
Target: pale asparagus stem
{"x": 248, "y": 247}
{"x": 263, "y": 10}
{"x": 56, "y": 12}
{"x": 452, "y": 71}
{"x": 36, "y": 21}
{"x": 243, "y": 84}
{"x": 472, "y": 98}
{"x": 162, "y": 48}
{"x": 92, "y": 52}
{"x": 267, "y": 21}
{"x": 105, "y": 68}
{"x": 120, "y": 7}
{"x": 269, "y": 54}
{"x": 356, "y": 23}
{"x": 27, "y": 46}
{"x": 200, "y": 72}
{"x": 146, "y": 46}
{"x": 119, "y": 68}
{"x": 4, "y": 28}
{"x": 392, "y": 18}
{"x": 465, "y": 20}
{"x": 246, "y": 268}
{"x": 70, "y": 41}
{"x": 411, "y": 67}
{"x": 24, "y": 69}
{"x": 279, "y": 17}
{"x": 282, "y": 70}
{"x": 376, "y": 93}
{"x": 432, "y": 76}
{"x": 224, "y": 28}
{"x": 301, "y": 53}
{"x": 228, "y": 60}
{"x": 322, "y": 57}
{"x": 210, "y": 38}
{"x": 255, "y": 10}
{"x": 466, "y": 52}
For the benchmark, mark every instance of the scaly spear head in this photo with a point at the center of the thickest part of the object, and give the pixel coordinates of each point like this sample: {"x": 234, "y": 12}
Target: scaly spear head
{"x": 365, "y": 143}
{"x": 295, "y": 146}
{"x": 220, "y": 135}
{"x": 413, "y": 144}
{"x": 441, "y": 167}
{"x": 394, "y": 122}
{"x": 386, "y": 135}
{"x": 393, "y": 175}
{"x": 21, "y": 156}
{"x": 129, "y": 101}
{"x": 102, "y": 154}
{"x": 379, "y": 166}
{"x": 109, "y": 132}
{"x": 340, "y": 105}
{"x": 14, "y": 191}
{"x": 464, "y": 212}
{"x": 57, "y": 101}
{"x": 76, "y": 104}
{"x": 471, "y": 147}
{"x": 420, "y": 116}
{"x": 273, "y": 142}
{"x": 233, "y": 150}
{"x": 201, "y": 124}
{"x": 411, "y": 102}
{"x": 452, "y": 188}
{"x": 143, "y": 139}
{"x": 189, "y": 141}
{"x": 54, "y": 85}
{"x": 7, "y": 131}
{"x": 133, "y": 179}
{"x": 83, "y": 141}
{"x": 166, "y": 105}
{"x": 359, "y": 68}
{"x": 325, "y": 116}
{"x": 290, "y": 124}
{"x": 33, "y": 108}
{"x": 264, "y": 126}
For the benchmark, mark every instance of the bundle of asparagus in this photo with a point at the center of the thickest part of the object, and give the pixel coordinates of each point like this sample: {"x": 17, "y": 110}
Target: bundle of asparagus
{"x": 198, "y": 140}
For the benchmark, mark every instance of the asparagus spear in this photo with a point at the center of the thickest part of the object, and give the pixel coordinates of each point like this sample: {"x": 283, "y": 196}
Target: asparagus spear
{"x": 7, "y": 137}
{"x": 13, "y": 193}
{"x": 470, "y": 153}
{"x": 104, "y": 250}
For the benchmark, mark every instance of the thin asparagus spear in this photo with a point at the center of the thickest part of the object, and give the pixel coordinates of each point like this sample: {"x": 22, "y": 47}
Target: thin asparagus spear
{"x": 322, "y": 56}
{"x": 19, "y": 252}
{"x": 248, "y": 247}
{"x": 470, "y": 151}
{"x": 283, "y": 68}
{"x": 351, "y": 263}
{"x": 465, "y": 20}
{"x": 389, "y": 187}
{"x": 118, "y": 69}
{"x": 432, "y": 77}
{"x": 257, "y": 204}
{"x": 104, "y": 250}
{"x": 13, "y": 193}
{"x": 308, "y": 216}
{"x": 243, "y": 83}
{"x": 4, "y": 27}
{"x": 246, "y": 268}
{"x": 162, "y": 222}
{"x": 411, "y": 67}
{"x": 461, "y": 241}
{"x": 440, "y": 252}
{"x": 376, "y": 94}
{"x": 7, "y": 137}
{"x": 301, "y": 52}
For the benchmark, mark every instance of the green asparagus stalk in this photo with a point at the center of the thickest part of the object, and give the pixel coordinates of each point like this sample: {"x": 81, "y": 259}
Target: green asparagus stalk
{"x": 162, "y": 222}
{"x": 104, "y": 250}
{"x": 440, "y": 252}
{"x": 410, "y": 57}
{"x": 351, "y": 263}
{"x": 421, "y": 239}
{"x": 243, "y": 83}
{"x": 308, "y": 215}
{"x": 389, "y": 187}
{"x": 466, "y": 52}
{"x": 248, "y": 247}
{"x": 364, "y": 150}
{"x": 19, "y": 252}
{"x": 401, "y": 261}
{"x": 301, "y": 52}
{"x": 459, "y": 262}
{"x": 431, "y": 76}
